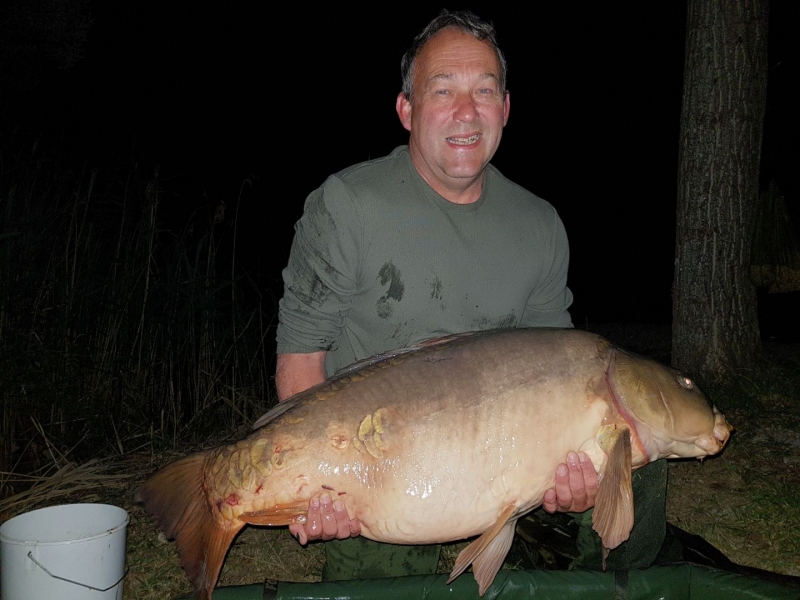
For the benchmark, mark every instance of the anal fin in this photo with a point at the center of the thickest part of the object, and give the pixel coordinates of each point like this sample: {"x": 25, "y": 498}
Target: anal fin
{"x": 486, "y": 554}
{"x": 490, "y": 561}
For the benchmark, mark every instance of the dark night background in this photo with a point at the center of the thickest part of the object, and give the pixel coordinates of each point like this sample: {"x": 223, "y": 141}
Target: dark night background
{"x": 212, "y": 97}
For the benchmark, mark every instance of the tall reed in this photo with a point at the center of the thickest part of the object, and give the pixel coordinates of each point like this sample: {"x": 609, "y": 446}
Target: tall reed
{"x": 115, "y": 331}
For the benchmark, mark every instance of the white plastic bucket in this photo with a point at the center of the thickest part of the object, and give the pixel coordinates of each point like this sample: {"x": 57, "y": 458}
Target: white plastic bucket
{"x": 67, "y": 552}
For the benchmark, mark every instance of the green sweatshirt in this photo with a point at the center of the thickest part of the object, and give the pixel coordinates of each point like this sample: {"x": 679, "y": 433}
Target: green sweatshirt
{"x": 380, "y": 261}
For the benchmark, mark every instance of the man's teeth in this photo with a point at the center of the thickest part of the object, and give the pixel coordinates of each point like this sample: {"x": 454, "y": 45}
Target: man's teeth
{"x": 464, "y": 141}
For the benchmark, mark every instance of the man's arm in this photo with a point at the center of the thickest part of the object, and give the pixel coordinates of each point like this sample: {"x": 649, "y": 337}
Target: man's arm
{"x": 296, "y": 373}
{"x": 548, "y": 305}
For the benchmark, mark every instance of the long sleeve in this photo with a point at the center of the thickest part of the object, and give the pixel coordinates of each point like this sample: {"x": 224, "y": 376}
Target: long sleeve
{"x": 320, "y": 278}
{"x": 549, "y": 302}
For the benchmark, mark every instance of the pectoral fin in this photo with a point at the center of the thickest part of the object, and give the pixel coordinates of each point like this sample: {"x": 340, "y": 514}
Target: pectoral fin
{"x": 280, "y": 514}
{"x": 486, "y": 554}
{"x": 613, "y": 507}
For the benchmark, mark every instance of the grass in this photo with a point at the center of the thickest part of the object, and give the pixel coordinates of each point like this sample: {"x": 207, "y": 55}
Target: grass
{"x": 745, "y": 502}
{"x": 118, "y": 332}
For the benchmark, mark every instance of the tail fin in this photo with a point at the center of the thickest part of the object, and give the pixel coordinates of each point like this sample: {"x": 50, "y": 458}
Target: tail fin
{"x": 176, "y": 499}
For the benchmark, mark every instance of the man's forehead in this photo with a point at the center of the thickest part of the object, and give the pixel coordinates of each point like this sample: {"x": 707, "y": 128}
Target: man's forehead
{"x": 452, "y": 76}
{"x": 451, "y": 52}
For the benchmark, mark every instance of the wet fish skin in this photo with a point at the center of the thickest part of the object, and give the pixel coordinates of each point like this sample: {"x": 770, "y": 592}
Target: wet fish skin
{"x": 455, "y": 438}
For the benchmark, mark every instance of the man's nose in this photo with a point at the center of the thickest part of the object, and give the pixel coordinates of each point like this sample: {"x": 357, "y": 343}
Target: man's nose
{"x": 465, "y": 109}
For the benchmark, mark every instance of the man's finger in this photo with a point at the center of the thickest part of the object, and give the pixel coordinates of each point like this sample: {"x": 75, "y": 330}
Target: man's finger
{"x": 562, "y": 488}
{"x": 313, "y": 527}
{"x": 327, "y": 517}
{"x": 577, "y": 485}
{"x": 589, "y": 475}
{"x": 550, "y": 501}
{"x": 355, "y": 527}
{"x": 342, "y": 520}
{"x": 298, "y": 531}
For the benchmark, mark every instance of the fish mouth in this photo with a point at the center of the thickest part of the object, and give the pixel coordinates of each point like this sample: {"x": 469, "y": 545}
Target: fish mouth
{"x": 716, "y": 441}
{"x": 703, "y": 445}
{"x": 464, "y": 140}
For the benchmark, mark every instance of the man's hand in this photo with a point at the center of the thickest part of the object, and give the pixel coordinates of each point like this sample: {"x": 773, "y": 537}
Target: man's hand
{"x": 576, "y": 486}
{"x": 326, "y": 520}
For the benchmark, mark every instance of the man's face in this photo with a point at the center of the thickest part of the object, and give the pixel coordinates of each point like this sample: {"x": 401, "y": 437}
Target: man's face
{"x": 458, "y": 113}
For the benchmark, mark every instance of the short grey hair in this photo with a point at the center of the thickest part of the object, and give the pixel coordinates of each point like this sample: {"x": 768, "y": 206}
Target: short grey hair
{"x": 462, "y": 20}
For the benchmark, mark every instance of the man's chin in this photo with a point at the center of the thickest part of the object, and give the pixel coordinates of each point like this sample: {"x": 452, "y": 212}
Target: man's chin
{"x": 465, "y": 171}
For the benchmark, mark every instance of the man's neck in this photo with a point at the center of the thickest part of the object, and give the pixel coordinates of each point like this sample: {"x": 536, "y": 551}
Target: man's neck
{"x": 466, "y": 194}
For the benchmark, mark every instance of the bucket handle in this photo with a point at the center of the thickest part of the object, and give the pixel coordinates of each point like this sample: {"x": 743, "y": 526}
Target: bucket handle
{"x": 43, "y": 568}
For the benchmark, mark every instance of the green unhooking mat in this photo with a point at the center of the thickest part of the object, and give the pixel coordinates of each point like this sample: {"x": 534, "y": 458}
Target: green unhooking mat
{"x": 688, "y": 581}
{"x": 688, "y": 568}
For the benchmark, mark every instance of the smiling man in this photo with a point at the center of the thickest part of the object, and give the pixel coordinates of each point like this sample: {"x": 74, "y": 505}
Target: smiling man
{"x": 428, "y": 241}
{"x": 455, "y": 109}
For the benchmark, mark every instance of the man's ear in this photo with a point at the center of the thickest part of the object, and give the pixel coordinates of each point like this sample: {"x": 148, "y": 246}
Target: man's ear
{"x": 403, "y": 107}
{"x": 506, "y": 108}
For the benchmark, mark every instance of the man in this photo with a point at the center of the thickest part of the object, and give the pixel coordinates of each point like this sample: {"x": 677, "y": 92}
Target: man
{"x": 428, "y": 241}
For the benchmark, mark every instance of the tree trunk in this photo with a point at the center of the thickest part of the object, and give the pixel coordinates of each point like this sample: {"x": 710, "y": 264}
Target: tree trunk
{"x": 715, "y": 319}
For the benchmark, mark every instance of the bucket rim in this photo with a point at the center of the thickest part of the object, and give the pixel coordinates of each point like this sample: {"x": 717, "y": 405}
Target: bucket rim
{"x": 4, "y": 538}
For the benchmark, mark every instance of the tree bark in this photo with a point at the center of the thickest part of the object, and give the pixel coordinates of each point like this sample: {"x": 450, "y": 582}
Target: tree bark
{"x": 715, "y": 319}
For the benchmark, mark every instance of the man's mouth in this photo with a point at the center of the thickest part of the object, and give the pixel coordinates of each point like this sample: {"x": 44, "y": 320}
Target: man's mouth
{"x": 464, "y": 141}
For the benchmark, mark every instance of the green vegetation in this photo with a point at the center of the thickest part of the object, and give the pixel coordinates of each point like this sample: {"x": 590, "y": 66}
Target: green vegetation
{"x": 117, "y": 333}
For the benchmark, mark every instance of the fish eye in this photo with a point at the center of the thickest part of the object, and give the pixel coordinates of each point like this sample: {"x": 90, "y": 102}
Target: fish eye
{"x": 685, "y": 382}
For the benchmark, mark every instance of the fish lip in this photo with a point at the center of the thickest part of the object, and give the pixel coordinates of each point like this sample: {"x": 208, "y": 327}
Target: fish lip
{"x": 709, "y": 444}
{"x": 714, "y": 442}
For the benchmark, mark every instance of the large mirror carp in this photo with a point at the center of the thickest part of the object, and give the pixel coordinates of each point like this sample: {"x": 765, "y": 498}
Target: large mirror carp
{"x": 454, "y": 438}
